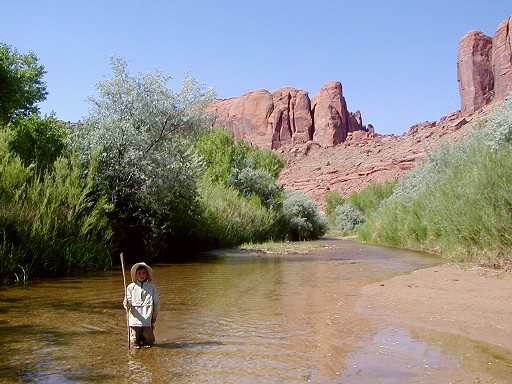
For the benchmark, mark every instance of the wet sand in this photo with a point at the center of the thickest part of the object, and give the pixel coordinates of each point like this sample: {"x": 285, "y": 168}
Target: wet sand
{"x": 474, "y": 303}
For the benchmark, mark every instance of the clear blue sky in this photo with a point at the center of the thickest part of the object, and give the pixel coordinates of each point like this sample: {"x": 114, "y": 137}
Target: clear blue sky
{"x": 396, "y": 59}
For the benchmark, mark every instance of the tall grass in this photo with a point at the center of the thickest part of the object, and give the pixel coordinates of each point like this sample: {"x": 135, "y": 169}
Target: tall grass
{"x": 458, "y": 203}
{"x": 228, "y": 218}
{"x": 348, "y": 213}
{"x": 49, "y": 225}
{"x": 370, "y": 198}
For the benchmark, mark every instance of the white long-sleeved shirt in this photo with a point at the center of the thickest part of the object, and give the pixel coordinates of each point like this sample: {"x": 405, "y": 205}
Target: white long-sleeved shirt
{"x": 145, "y": 303}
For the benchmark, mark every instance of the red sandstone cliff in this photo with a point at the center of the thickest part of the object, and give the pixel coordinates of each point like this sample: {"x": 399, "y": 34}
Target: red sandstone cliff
{"x": 329, "y": 148}
{"x": 287, "y": 115}
{"x": 484, "y": 67}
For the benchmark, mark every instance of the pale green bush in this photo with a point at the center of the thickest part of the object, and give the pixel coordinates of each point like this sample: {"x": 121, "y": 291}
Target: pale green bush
{"x": 301, "y": 220}
{"x": 256, "y": 182}
{"x": 348, "y": 218}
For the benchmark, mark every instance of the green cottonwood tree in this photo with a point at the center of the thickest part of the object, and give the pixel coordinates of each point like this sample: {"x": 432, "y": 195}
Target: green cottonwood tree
{"x": 138, "y": 132}
{"x": 21, "y": 84}
{"x": 38, "y": 141}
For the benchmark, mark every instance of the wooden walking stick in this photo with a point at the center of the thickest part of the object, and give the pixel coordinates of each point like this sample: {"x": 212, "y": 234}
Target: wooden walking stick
{"x": 126, "y": 301}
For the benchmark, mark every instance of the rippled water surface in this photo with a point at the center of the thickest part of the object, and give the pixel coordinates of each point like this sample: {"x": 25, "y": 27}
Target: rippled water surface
{"x": 232, "y": 318}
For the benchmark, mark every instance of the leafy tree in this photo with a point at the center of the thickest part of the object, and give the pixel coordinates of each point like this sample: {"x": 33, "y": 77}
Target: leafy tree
{"x": 216, "y": 147}
{"x": 249, "y": 169}
{"x": 21, "y": 84}
{"x": 37, "y": 141}
{"x": 139, "y": 133}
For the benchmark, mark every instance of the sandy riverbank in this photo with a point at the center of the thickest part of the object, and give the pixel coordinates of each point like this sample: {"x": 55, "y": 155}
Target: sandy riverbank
{"x": 474, "y": 302}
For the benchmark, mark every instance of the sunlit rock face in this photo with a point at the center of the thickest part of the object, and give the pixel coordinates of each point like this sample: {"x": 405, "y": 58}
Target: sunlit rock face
{"x": 288, "y": 116}
{"x": 474, "y": 72}
{"x": 484, "y": 67}
{"x": 502, "y": 59}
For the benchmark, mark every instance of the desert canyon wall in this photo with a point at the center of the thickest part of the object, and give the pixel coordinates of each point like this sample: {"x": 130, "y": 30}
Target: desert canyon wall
{"x": 329, "y": 148}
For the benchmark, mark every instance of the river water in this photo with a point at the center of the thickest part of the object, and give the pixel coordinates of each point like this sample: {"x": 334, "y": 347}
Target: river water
{"x": 233, "y": 317}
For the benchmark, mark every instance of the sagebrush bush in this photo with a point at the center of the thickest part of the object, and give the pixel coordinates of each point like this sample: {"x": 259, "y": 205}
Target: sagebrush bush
{"x": 301, "y": 218}
{"x": 501, "y": 125}
{"x": 257, "y": 182}
{"x": 348, "y": 218}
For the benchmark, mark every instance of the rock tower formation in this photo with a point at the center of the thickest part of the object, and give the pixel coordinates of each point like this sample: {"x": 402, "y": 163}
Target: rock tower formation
{"x": 484, "y": 67}
{"x": 288, "y": 116}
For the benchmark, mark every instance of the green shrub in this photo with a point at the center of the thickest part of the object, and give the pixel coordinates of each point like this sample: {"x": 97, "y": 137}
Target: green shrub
{"x": 222, "y": 154}
{"x": 248, "y": 156}
{"x": 368, "y": 199}
{"x": 332, "y": 199}
{"x": 249, "y": 169}
{"x": 216, "y": 147}
{"x": 364, "y": 202}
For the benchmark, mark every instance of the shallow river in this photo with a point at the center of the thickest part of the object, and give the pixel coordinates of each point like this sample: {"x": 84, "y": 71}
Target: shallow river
{"x": 239, "y": 317}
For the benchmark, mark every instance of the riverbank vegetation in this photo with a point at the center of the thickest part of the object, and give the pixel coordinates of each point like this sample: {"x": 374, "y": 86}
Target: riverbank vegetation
{"x": 177, "y": 185}
{"x": 457, "y": 203}
{"x": 144, "y": 173}
{"x": 49, "y": 222}
{"x": 348, "y": 214}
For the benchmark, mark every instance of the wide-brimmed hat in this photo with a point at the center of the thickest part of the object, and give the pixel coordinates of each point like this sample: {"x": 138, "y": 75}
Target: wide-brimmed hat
{"x": 137, "y": 265}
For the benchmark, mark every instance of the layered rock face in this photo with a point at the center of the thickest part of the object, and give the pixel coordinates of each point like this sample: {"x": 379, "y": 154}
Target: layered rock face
{"x": 484, "y": 67}
{"x": 288, "y": 116}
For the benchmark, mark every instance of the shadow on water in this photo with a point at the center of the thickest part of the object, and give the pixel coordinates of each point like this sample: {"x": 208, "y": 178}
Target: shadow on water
{"x": 187, "y": 345}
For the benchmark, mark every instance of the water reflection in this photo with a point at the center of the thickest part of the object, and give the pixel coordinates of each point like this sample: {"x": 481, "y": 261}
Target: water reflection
{"x": 239, "y": 317}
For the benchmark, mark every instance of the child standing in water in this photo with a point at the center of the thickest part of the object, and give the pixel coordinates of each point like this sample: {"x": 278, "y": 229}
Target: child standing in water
{"x": 143, "y": 304}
